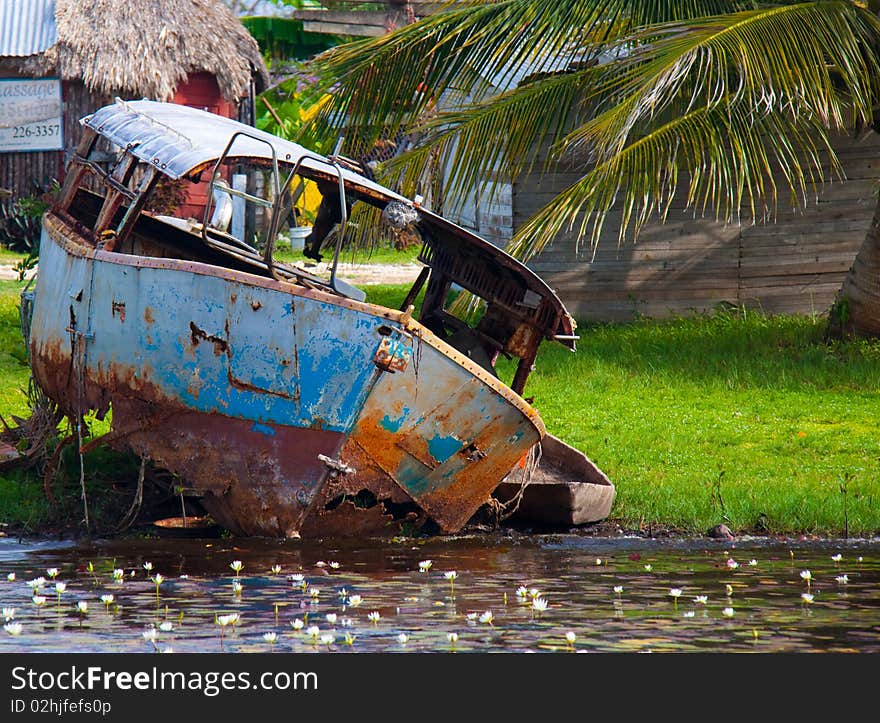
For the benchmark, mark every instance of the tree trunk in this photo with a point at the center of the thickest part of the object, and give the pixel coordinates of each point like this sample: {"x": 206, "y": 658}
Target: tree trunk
{"x": 857, "y": 309}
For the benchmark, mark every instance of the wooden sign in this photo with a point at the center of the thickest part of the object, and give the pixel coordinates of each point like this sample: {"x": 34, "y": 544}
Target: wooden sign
{"x": 30, "y": 115}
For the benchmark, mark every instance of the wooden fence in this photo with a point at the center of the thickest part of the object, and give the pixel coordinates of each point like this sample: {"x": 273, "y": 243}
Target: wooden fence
{"x": 794, "y": 264}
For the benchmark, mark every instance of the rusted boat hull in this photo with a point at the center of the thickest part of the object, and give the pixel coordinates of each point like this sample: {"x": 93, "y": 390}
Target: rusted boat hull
{"x": 240, "y": 383}
{"x": 432, "y": 436}
{"x": 234, "y": 385}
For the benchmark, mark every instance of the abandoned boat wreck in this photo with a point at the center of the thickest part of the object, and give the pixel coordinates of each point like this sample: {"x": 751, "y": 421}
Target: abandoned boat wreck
{"x": 278, "y": 396}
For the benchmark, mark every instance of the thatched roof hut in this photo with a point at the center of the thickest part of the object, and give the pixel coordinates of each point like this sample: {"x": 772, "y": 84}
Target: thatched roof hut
{"x": 147, "y": 49}
{"x": 194, "y": 52}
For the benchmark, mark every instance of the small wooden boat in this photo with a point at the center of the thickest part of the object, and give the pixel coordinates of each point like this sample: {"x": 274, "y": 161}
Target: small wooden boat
{"x": 565, "y": 488}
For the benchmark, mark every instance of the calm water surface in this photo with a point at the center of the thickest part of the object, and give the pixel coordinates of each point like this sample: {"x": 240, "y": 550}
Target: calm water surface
{"x": 762, "y": 610}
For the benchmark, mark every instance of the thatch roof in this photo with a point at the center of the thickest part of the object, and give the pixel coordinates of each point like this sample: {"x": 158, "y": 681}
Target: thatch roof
{"x": 147, "y": 48}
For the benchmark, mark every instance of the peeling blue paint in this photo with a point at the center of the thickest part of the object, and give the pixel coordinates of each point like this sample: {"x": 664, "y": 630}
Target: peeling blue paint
{"x": 263, "y": 429}
{"x": 442, "y": 448}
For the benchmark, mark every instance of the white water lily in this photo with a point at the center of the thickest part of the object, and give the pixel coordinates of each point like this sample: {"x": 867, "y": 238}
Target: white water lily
{"x": 402, "y": 638}
{"x": 522, "y": 592}
{"x": 649, "y": 567}
{"x": 82, "y": 607}
{"x": 270, "y": 638}
{"x": 166, "y": 626}
{"x": 753, "y": 563}
{"x": 837, "y": 558}
{"x": 598, "y": 560}
{"x": 36, "y": 583}
{"x": 355, "y": 600}
{"x": 806, "y": 575}
{"x": 374, "y": 616}
{"x": 60, "y": 587}
{"x": 570, "y": 637}
{"x": 150, "y": 635}
{"x": 52, "y": 572}
{"x": 237, "y": 587}
{"x": 842, "y": 579}
{"x": 346, "y": 622}
{"x": 539, "y": 604}
{"x": 275, "y": 569}
{"x": 425, "y": 565}
{"x": 452, "y": 638}
{"x": 487, "y": 617}
{"x": 297, "y": 624}
{"x": 618, "y": 589}
{"x": 313, "y": 631}
{"x": 14, "y": 629}
{"x": 728, "y": 612}
{"x": 807, "y": 597}
{"x": 107, "y": 599}
{"x": 8, "y": 614}
{"x": 330, "y": 618}
{"x": 675, "y": 592}
{"x": 296, "y": 579}
{"x": 701, "y": 599}
{"x": 334, "y": 565}
{"x": 148, "y": 566}
{"x": 230, "y": 619}
{"x": 472, "y": 617}
{"x": 728, "y": 589}
{"x": 118, "y": 574}
{"x": 314, "y": 593}
{"x": 450, "y": 574}
{"x": 328, "y": 639}
{"x": 236, "y": 566}
{"x": 157, "y": 579}
{"x": 39, "y": 600}
{"x": 732, "y": 564}
{"x": 689, "y": 614}
{"x": 10, "y": 577}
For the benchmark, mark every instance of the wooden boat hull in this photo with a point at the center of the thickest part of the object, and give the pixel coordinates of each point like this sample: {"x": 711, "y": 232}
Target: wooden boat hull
{"x": 565, "y": 489}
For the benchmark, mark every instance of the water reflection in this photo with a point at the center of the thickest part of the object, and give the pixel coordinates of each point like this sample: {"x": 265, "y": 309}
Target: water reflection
{"x": 601, "y": 595}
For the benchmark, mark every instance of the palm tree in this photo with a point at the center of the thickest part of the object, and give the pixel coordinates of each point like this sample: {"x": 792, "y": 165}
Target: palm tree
{"x": 644, "y": 98}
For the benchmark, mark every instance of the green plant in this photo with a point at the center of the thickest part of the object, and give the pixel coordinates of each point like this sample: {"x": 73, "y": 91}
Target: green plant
{"x": 21, "y": 223}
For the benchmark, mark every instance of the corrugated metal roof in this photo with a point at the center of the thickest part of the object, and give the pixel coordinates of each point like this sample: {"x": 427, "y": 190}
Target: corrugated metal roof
{"x": 26, "y": 27}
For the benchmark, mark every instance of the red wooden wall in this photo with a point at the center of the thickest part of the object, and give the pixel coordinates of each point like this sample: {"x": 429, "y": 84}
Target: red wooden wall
{"x": 200, "y": 90}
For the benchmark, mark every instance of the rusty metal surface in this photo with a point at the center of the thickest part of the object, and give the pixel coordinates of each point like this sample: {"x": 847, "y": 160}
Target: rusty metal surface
{"x": 249, "y": 393}
{"x": 238, "y": 383}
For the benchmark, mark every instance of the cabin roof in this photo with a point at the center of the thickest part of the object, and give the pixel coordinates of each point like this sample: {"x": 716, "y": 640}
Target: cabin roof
{"x": 178, "y": 140}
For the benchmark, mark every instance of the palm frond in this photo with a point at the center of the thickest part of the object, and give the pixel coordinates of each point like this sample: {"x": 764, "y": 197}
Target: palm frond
{"x": 811, "y": 56}
{"x": 504, "y": 133}
{"x": 473, "y": 46}
{"x": 730, "y": 151}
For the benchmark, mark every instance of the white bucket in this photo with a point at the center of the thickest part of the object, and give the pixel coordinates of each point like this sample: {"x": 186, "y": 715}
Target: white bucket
{"x": 297, "y": 236}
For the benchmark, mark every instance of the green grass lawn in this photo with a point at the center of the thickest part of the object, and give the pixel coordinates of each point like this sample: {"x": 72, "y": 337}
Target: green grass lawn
{"x": 696, "y": 421}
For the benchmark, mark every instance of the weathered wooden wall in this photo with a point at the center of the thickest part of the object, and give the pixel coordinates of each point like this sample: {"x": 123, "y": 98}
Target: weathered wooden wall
{"x": 793, "y": 265}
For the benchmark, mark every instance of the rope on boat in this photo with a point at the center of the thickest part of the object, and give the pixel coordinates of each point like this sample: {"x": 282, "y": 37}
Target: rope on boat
{"x": 79, "y": 364}
{"x": 138, "y": 500}
{"x": 509, "y": 508}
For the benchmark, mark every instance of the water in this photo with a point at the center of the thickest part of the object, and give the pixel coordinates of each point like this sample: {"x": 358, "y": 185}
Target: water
{"x": 576, "y": 576}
